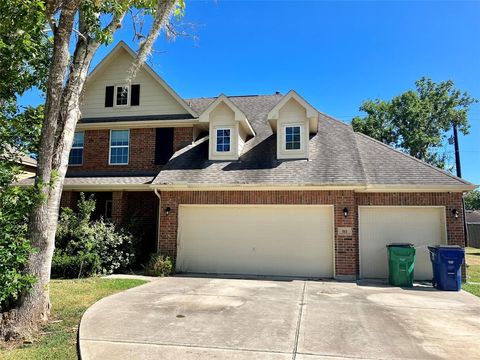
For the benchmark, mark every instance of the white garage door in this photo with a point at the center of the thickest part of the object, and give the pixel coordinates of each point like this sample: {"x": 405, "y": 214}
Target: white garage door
{"x": 379, "y": 226}
{"x": 256, "y": 239}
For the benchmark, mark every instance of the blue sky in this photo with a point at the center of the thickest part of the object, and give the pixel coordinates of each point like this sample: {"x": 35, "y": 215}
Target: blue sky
{"x": 336, "y": 54}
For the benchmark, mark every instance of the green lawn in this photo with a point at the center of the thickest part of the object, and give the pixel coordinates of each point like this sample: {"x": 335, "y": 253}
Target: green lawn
{"x": 70, "y": 299}
{"x": 472, "y": 259}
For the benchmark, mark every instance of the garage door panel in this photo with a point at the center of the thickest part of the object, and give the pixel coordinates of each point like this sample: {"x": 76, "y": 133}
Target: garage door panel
{"x": 266, "y": 240}
{"x": 379, "y": 226}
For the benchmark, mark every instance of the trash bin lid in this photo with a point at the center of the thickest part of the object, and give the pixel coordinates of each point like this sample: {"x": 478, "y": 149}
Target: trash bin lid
{"x": 405, "y": 244}
{"x": 450, "y": 247}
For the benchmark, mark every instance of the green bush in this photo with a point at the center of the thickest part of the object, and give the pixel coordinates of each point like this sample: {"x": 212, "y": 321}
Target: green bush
{"x": 159, "y": 265}
{"x": 86, "y": 248}
{"x": 15, "y": 249}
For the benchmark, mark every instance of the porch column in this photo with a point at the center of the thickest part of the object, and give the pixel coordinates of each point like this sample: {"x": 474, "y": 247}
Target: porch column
{"x": 119, "y": 206}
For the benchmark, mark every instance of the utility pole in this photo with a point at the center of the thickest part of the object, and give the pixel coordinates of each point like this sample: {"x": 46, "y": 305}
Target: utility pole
{"x": 459, "y": 174}
{"x": 457, "y": 151}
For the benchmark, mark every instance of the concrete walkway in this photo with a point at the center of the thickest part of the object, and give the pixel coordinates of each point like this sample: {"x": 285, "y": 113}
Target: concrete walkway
{"x": 212, "y": 318}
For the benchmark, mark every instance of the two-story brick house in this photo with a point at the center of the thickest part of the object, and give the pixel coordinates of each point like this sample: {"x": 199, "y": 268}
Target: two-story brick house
{"x": 261, "y": 184}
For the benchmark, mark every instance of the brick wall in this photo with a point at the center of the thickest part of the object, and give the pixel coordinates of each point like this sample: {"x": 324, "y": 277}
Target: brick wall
{"x": 141, "y": 152}
{"x": 346, "y": 247}
{"x": 182, "y": 137}
{"x": 69, "y": 199}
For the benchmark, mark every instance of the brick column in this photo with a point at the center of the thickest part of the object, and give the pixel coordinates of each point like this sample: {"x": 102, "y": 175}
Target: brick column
{"x": 346, "y": 245}
{"x": 167, "y": 240}
{"x": 119, "y": 206}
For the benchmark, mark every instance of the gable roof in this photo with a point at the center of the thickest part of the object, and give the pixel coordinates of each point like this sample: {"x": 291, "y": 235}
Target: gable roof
{"x": 239, "y": 114}
{"x": 123, "y": 46}
{"x": 339, "y": 157}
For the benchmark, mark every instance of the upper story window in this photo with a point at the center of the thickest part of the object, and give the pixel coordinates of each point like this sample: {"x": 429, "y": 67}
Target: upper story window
{"x": 121, "y": 95}
{"x": 119, "y": 143}
{"x": 223, "y": 140}
{"x": 76, "y": 153}
{"x": 293, "y": 137}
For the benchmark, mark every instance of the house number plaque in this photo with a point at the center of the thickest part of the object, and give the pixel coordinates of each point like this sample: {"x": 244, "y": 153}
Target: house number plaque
{"x": 344, "y": 231}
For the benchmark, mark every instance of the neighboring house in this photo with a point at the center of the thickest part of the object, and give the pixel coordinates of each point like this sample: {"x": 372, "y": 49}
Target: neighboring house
{"x": 473, "y": 225}
{"x": 28, "y": 165}
{"x": 255, "y": 184}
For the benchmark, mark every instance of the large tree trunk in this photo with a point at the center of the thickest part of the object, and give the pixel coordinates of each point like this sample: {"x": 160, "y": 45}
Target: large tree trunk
{"x": 62, "y": 111}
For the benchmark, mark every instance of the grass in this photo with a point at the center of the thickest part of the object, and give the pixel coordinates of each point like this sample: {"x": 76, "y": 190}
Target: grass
{"x": 70, "y": 299}
{"x": 472, "y": 259}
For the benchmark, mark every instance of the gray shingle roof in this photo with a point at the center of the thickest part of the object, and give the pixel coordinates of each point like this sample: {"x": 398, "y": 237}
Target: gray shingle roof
{"x": 338, "y": 156}
{"x": 473, "y": 216}
{"x": 385, "y": 165}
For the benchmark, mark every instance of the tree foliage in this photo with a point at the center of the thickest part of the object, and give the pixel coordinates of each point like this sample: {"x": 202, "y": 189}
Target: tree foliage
{"x": 77, "y": 28}
{"x": 416, "y": 121}
{"x": 24, "y": 52}
{"x": 472, "y": 200}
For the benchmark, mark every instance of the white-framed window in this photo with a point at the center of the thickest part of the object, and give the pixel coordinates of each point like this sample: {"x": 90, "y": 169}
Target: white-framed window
{"x": 121, "y": 95}
{"x": 293, "y": 137}
{"x": 119, "y": 144}
{"x": 223, "y": 140}
{"x": 76, "y": 153}
{"x": 108, "y": 209}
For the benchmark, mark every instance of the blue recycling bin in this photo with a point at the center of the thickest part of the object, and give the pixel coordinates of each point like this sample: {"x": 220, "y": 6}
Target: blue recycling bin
{"x": 447, "y": 263}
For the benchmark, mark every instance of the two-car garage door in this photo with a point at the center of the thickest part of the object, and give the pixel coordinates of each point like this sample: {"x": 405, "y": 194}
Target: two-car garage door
{"x": 293, "y": 240}
{"x": 379, "y": 226}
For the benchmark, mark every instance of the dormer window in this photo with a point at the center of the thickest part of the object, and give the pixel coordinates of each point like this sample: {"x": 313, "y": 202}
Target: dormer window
{"x": 121, "y": 95}
{"x": 293, "y": 137}
{"x": 223, "y": 140}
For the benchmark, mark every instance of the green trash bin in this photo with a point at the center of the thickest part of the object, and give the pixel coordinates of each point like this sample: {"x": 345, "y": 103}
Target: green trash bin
{"x": 401, "y": 263}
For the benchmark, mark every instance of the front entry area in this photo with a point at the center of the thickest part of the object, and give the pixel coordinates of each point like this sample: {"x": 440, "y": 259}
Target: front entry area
{"x": 382, "y": 225}
{"x": 277, "y": 240}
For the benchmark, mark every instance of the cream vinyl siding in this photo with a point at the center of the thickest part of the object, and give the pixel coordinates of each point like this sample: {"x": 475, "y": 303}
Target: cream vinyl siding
{"x": 292, "y": 114}
{"x": 289, "y": 240}
{"x": 154, "y": 99}
{"x": 379, "y": 226}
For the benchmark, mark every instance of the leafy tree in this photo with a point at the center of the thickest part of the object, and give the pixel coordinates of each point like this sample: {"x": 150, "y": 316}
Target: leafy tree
{"x": 78, "y": 28}
{"x": 472, "y": 200}
{"x": 416, "y": 121}
{"x": 24, "y": 50}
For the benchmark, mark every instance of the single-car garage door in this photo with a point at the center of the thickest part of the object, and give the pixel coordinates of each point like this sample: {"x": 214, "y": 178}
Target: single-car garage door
{"x": 285, "y": 240}
{"x": 379, "y": 226}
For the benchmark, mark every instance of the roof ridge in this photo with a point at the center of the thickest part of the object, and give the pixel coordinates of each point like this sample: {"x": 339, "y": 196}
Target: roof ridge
{"x": 414, "y": 158}
{"x": 362, "y": 164}
{"x": 335, "y": 119}
{"x": 230, "y": 96}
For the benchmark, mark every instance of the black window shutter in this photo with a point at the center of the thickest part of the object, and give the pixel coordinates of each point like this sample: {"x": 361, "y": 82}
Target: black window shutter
{"x": 135, "y": 99}
{"x": 163, "y": 145}
{"x": 109, "y": 96}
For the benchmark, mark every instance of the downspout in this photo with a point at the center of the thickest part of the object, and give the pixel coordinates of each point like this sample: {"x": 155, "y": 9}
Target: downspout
{"x": 157, "y": 246}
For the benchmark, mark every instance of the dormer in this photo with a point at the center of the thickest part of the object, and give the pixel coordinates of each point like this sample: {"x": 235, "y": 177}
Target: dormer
{"x": 293, "y": 120}
{"x": 228, "y": 127}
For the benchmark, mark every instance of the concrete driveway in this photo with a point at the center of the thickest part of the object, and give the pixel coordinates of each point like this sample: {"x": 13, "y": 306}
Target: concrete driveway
{"x": 212, "y": 318}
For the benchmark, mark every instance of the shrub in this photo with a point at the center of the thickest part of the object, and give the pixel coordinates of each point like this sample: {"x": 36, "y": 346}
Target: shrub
{"x": 15, "y": 249}
{"x": 85, "y": 247}
{"x": 159, "y": 265}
